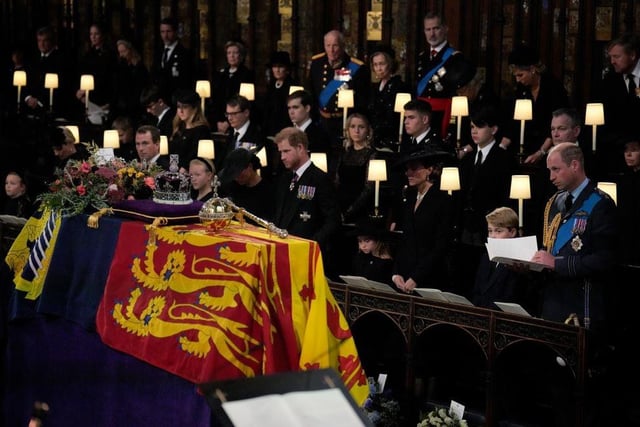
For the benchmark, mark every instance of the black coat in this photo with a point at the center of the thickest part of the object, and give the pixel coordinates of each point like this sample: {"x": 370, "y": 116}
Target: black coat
{"x": 177, "y": 74}
{"x": 384, "y": 121}
{"x": 426, "y": 236}
{"x": 224, "y": 86}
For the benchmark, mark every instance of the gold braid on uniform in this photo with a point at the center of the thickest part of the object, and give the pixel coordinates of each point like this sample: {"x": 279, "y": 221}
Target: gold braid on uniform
{"x": 550, "y": 231}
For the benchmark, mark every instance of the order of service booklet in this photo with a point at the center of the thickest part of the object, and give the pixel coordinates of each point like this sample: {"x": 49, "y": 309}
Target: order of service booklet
{"x": 518, "y": 250}
{"x": 438, "y": 295}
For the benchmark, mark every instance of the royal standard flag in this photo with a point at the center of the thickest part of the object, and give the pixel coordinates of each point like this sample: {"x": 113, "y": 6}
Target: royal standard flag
{"x": 221, "y": 305}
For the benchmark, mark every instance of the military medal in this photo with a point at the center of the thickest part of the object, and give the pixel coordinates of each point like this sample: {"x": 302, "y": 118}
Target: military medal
{"x": 306, "y": 192}
{"x": 342, "y": 74}
{"x": 576, "y": 243}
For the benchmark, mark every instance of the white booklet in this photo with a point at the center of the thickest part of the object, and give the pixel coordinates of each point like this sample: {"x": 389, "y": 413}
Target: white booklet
{"x": 518, "y": 250}
{"x": 318, "y": 408}
{"x": 512, "y": 307}
{"x": 363, "y": 282}
{"x": 438, "y": 295}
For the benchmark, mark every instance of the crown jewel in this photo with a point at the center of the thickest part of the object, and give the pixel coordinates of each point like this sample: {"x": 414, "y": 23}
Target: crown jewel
{"x": 172, "y": 186}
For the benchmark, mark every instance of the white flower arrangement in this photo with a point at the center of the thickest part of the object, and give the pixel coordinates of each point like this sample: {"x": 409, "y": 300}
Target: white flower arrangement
{"x": 441, "y": 417}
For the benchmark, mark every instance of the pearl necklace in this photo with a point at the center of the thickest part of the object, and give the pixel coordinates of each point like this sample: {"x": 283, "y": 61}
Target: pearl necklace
{"x": 420, "y": 195}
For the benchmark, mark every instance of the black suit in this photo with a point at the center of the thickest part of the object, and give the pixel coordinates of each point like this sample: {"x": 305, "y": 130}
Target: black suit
{"x": 177, "y": 73}
{"x": 310, "y": 210}
{"x": 166, "y": 123}
{"x": 253, "y": 135}
{"x": 55, "y": 62}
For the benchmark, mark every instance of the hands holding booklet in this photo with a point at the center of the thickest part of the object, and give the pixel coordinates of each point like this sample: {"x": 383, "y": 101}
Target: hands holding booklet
{"x": 515, "y": 251}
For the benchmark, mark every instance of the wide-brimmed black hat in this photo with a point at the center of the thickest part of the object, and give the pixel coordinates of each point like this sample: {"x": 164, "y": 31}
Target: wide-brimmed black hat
{"x": 280, "y": 57}
{"x": 235, "y": 162}
{"x": 460, "y": 71}
{"x": 371, "y": 227}
{"x": 523, "y": 55}
{"x": 428, "y": 156}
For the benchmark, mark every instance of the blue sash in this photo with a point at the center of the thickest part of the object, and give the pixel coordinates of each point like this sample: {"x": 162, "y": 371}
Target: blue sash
{"x": 565, "y": 231}
{"x": 330, "y": 89}
{"x": 422, "y": 84}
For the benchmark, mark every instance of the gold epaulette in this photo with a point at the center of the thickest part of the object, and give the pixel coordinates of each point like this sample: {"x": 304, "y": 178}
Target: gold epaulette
{"x": 318, "y": 55}
{"x": 357, "y": 61}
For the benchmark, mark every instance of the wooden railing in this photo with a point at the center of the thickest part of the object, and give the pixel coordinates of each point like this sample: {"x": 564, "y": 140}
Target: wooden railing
{"x": 492, "y": 331}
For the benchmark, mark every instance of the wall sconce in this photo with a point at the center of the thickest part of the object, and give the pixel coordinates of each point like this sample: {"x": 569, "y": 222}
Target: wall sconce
{"x": 295, "y": 89}
{"x": 401, "y": 99}
{"x": 594, "y": 116}
{"x": 345, "y": 101}
{"x": 248, "y": 91}
{"x": 459, "y": 108}
{"x": 377, "y": 172}
{"x": 320, "y": 160}
{"x": 523, "y": 112}
{"x": 164, "y": 145}
{"x": 203, "y": 88}
{"x": 75, "y": 132}
{"x": 205, "y": 149}
{"x": 450, "y": 179}
{"x": 520, "y": 189}
{"x": 51, "y": 83}
{"x": 611, "y": 189}
{"x": 111, "y": 139}
{"x": 86, "y": 84}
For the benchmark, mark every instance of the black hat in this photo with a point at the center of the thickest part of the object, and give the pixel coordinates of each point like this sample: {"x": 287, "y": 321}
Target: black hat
{"x": 523, "y": 55}
{"x": 235, "y": 162}
{"x": 280, "y": 57}
{"x": 189, "y": 97}
{"x": 428, "y": 156}
{"x": 383, "y": 48}
{"x": 460, "y": 71}
{"x": 371, "y": 227}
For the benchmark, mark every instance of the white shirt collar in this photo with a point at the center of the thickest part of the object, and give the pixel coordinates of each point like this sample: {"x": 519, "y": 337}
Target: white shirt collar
{"x": 485, "y": 150}
{"x": 300, "y": 171}
{"x": 305, "y": 124}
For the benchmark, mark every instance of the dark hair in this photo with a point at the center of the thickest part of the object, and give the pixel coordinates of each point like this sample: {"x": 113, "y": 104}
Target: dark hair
{"x": 629, "y": 42}
{"x": 154, "y": 131}
{"x": 170, "y": 21}
{"x": 570, "y": 112}
{"x": 419, "y": 105}
{"x": 304, "y": 95}
{"x": 57, "y": 137}
{"x": 435, "y": 15}
{"x": 152, "y": 93}
{"x": 239, "y": 101}
{"x": 487, "y": 116}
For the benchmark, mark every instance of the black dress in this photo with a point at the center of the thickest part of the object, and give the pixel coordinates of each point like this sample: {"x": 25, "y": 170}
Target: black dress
{"x": 384, "y": 121}
{"x": 372, "y": 267}
{"x": 185, "y": 143}
{"x": 355, "y": 193}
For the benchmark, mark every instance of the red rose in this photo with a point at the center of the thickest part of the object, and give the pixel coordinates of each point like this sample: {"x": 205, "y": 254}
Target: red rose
{"x": 81, "y": 190}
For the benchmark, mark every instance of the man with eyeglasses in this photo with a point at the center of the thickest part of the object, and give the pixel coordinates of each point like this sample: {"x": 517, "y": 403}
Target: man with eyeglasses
{"x": 162, "y": 113}
{"x": 242, "y": 133}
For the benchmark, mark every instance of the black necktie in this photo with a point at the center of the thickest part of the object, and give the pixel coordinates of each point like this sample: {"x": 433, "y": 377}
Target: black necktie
{"x": 632, "y": 84}
{"x": 568, "y": 202}
{"x": 294, "y": 179}
{"x": 165, "y": 57}
{"x": 479, "y": 159}
{"x": 236, "y": 137}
